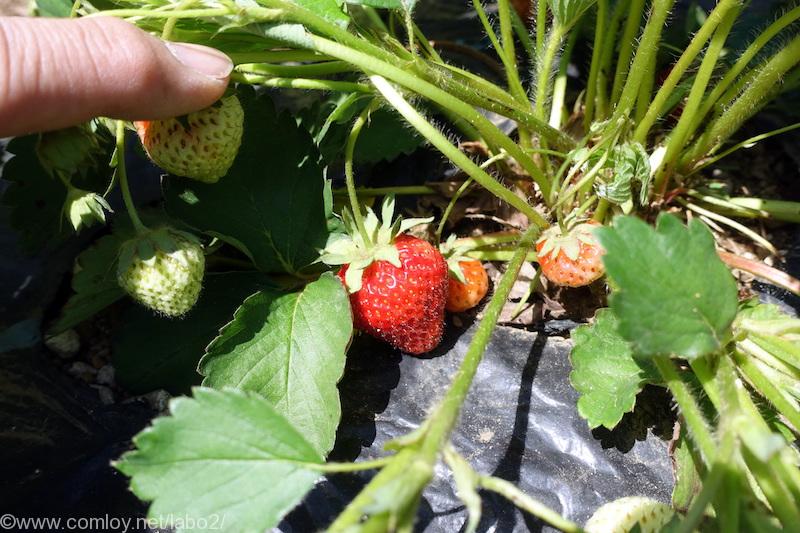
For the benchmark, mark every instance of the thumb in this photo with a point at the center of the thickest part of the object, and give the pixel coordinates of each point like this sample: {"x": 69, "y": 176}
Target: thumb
{"x": 56, "y": 73}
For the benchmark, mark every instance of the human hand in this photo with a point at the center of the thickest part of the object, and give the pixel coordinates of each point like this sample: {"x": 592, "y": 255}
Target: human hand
{"x": 56, "y": 73}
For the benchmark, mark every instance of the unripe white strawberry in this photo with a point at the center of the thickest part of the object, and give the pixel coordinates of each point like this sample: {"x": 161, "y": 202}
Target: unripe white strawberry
{"x": 621, "y": 515}
{"x": 163, "y": 270}
{"x": 200, "y": 145}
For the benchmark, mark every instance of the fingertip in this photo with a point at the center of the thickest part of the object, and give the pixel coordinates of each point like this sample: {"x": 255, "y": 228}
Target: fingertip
{"x": 57, "y": 73}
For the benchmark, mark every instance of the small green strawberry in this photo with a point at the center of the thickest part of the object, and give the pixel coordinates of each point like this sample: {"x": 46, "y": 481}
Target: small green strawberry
{"x": 163, "y": 270}
{"x": 200, "y": 145}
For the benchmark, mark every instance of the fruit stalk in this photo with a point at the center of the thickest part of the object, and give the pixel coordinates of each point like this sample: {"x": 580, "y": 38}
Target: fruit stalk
{"x": 454, "y": 154}
{"x": 528, "y": 504}
{"x": 123, "y": 180}
{"x": 444, "y": 417}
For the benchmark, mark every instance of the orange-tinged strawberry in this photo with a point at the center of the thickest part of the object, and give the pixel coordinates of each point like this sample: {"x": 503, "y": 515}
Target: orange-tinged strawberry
{"x": 200, "y": 145}
{"x": 572, "y": 258}
{"x": 465, "y": 295}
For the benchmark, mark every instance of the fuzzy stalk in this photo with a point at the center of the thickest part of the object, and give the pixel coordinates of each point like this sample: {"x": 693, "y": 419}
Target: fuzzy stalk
{"x": 628, "y": 38}
{"x": 122, "y": 173}
{"x": 436, "y": 138}
{"x": 683, "y": 130}
{"x": 594, "y": 70}
{"x": 645, "y": 56}
{"x": 748, "y": 103}
{"x": 445, "y": 415}
{"x": 715, "y": 18}
{"x": 741, "y": 63}
{"x": 698, "y": 427}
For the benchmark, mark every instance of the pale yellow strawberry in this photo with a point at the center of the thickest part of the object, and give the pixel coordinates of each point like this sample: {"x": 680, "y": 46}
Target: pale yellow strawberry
{"x": 200, "y": 145}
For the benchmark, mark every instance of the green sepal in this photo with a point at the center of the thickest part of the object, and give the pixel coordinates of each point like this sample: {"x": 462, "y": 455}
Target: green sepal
{"x": 84, "y": 208}
{"x": 351, "y": 249}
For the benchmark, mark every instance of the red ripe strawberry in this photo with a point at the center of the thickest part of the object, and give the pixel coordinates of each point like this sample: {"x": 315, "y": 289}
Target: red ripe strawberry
{"x": 397, "y": 283}
{"x": 404, "y": 305}
{"x": 572, "y": 259}
{"x": 466, "y": 294}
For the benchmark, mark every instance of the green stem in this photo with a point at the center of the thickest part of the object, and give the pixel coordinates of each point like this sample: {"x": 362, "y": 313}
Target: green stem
{"x": 741, "y": 63}
{"x": 445, "y": 415}
{"x": 449, "y": 209}
{"x": 775, "y": 492}
{"x": 350, "y": 181}
{"x": 490, "y": 132}
{"x": 560, "y": 83}
{"x": 496, "y": 255}
{"x": 767, "y": 389}
{"x": 334, "y": 468}
{"x": 744, "y": 230}
{"x": 645, "y": 56}
{"x": 541, "y": 26}
{"x": 123, "y": 180}
{"x": 682, "y": 132}
{"x": 527, "y": 503}
{"x": 627, "y": 40}
{"x": 302, "y": 83}
{"x": 684, "y": 62}
{"x": 748, "y": 103}
{"x": 696, "y": 423}
{"x": 544, "y": 68}
{"x": 455, "y": 155}
{"x": 594, "y": 71}
{"x": 367, "y": 192}
{"x": 276, "y": 56}
{"x": 747, "y": 143}
{"x": 311, "y": 70}
{"x": 459, "y": 192}
{"x": 271, "y": 14}
{"x": 604, "y": 71}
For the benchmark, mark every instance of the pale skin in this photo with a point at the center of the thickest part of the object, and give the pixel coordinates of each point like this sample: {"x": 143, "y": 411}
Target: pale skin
{"x": 56, "y": 73}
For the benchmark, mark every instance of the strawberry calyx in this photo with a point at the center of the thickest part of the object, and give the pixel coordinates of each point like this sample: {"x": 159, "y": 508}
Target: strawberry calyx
{"x": 359, "y": 251}
{"x": 554, "y": 240}
{"x": 144, "y": 246}
{"x": 454, "y": 254}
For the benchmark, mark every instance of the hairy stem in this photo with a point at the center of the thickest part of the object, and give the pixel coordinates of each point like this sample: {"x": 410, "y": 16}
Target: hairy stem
{"x": 123, "y": 180}
{"x": 679, "y": 68}
{"x": 692, "y": 414}
{"x": 527, "y": 503}
{"x": 445, "y": 416}
{"x": 452, "y": 152}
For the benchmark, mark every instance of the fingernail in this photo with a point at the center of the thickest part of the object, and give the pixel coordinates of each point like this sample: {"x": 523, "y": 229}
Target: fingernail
{"x": 202, "y": 59}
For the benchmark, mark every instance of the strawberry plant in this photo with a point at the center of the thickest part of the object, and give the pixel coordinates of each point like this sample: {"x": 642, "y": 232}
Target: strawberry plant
{"x": 252, "y": 256}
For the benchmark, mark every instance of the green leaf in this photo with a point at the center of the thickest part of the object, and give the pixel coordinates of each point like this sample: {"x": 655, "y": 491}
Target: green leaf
{"x": 385, "y": 137}
{"x": 271, "y": 203}
{"x": 35, "y": 198}
{"x": 53, "y": 8}
{"x": 223, "y": 460}
{"x": 606, "y": 373}
{"x": 94, "y": 282}
{"x": 386, "y": 4}
{"x": 627, "y": 164}
{"x": 290, "y": 348}
{"x": 155, "y": 361}
{"x": 327, "y": 9}
{"x": 567, "y": 12}
{"x": 672, "y": 294}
